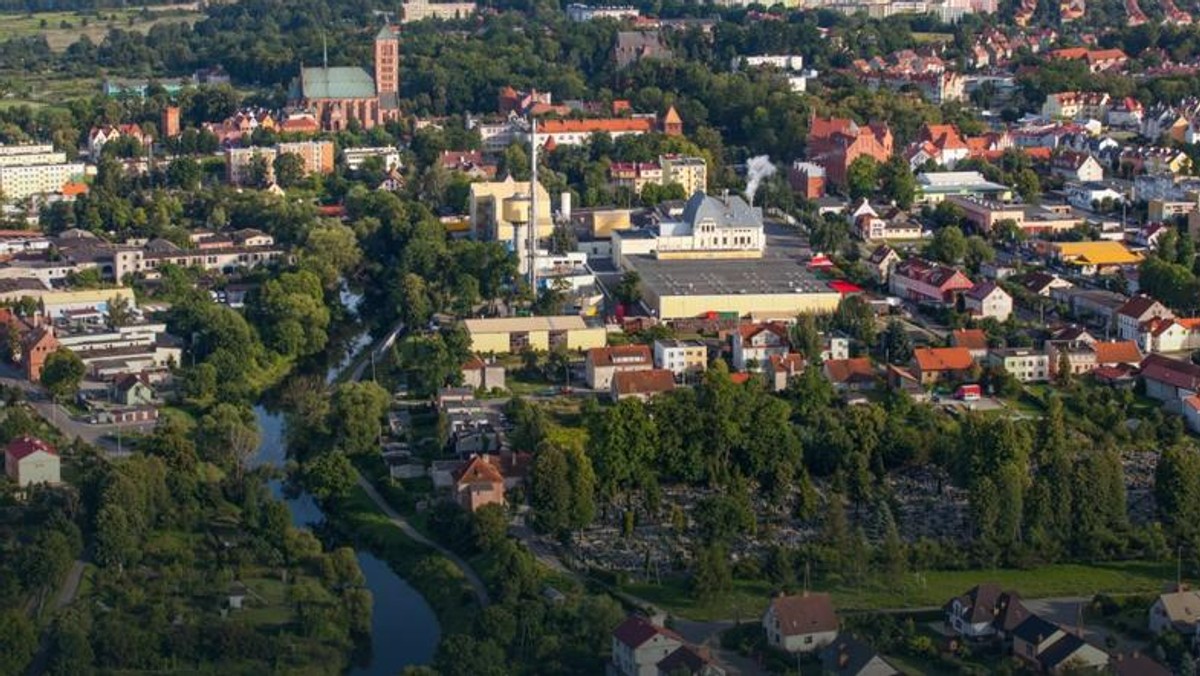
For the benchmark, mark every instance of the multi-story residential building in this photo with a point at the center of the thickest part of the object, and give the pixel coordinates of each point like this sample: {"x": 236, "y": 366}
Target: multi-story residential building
{"x": 836, "y": 142}
{"x": 924, "y": 282}
{"x": 689, "y": 172}
{"x": 1077, "y": 106}
{"x": 239, "y": 163}
{"x": 579, "y": 13}
{"x": 355, "y": 156}
{"x": 1077, "y": 166}
{"x": 681, "y": 357}
{"x": 635, "y": 175}
{"x": 23, "y": 155}
{"x": 1180, "y": 334}
{"x": 317, "y": 155}
{"x": 602, "y": 363}
{"x": 1025, "y": 364}
{"x": 18, "y": 182}
{"x": 577, "y": 132}
{"x": 419, "y": 10}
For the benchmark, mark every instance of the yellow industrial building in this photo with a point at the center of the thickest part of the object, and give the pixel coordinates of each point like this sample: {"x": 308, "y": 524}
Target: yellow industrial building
{"x": 1095, "y": 254}
{"x": 516, "y": 334}
{"x": 488, "y": 215}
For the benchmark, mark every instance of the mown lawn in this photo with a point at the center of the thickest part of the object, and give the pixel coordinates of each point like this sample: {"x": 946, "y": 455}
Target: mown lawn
{"x": 62, "y": 29}
{"x": 926, "y": 590}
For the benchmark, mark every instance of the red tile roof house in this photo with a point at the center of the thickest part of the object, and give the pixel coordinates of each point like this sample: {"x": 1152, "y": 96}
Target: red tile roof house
{"x": 29, "y": 460}
{"x": 478, "y": 483}
{"x": 780, "y": 371}
{"x": 638, "y": 645}
{"x": 602, "y": 363}
{"x": 754, "y": 344}
{"x": 924, "y": 282}
{"x": 975, "y": 340}
{"x": 1170, "y": 381}
{"x": 802, "y": 623}
{"x": 850, "y": 374}
{"x": 938, "y": 364}
{"x": 641, "y": 384}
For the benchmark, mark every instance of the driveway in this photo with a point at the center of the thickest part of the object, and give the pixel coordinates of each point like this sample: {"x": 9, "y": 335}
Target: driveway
{"x": 1067, "y": 612}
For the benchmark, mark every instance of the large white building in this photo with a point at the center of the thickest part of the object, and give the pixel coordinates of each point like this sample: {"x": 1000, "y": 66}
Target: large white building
{"x": 579, "y": 13}
{"x": 713, "y": 227}
{"x": 29, "y": 170}
{"x": 419, "y": 10}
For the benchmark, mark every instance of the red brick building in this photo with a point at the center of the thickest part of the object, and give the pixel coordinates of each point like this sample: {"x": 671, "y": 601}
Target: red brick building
{"x": 341, "y": 95}
{"x": 835, "y": 143}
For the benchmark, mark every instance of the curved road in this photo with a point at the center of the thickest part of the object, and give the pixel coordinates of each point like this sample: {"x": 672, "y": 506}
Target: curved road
{"x": 477, "y": 585}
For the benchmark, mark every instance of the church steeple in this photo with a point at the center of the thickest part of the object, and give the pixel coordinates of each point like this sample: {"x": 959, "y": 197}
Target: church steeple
{"x": 387, "y": 61}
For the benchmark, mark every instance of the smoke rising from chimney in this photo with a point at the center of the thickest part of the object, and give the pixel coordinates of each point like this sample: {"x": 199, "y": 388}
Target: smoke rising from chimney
{"x": 757, "y": 169}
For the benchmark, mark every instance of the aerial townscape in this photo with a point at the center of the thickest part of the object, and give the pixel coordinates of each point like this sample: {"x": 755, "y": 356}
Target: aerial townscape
{"x": 419, "y": 338}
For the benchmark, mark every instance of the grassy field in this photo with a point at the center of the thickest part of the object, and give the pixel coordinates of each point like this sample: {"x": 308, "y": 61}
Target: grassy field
{"x": 62, "y": 29}
{"x": 934, "y": 588}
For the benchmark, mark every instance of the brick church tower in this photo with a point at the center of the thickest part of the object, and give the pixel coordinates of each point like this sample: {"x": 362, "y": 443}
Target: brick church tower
{"x": 387, "y": 62}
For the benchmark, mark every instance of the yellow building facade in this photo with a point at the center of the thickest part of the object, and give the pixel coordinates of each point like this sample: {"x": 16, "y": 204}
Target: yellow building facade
{"x": 516, "y": 334}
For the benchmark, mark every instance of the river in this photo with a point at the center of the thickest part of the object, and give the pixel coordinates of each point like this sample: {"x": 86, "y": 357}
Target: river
{"x": 404, "y": 629}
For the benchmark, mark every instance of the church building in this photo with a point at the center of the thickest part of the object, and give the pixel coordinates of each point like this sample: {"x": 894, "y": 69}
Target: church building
{"x": 337, "y": 95}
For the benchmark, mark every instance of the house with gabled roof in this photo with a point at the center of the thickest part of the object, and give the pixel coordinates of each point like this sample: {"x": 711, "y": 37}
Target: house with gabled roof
{"x": 975, "y": 340}
{"x": 939, "y": 364}
{"x": 1177, "y": 611}
{"x": 801, "y": 623}
{"x": 1169, "y": 380}
{"x": 851, "y": 375}
{"x": 988, "y": 299}
{"x": 30, "y": 460}
{"x": 781, "y": 370}
{"x": 754, "y": 344}
{"x": 848, "y": 656}
{"x": 602, "y": 363}
{"x": 639, "y": 645}
{"x": 1135, "y": 312}
{"x": 924, "y": 282}
{"x": 478, "y": 482}
{"x": 985, "y": 611}
{"x": 689, "y": 661}
{"x": 881, "y": 261}
{"x": 641, "y": 384}
{"x": 1041, "y": 283}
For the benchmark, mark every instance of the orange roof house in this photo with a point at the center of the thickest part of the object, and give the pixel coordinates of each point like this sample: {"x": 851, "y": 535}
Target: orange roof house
{"x": 1116, "y": 353}
{"x": 935, "y": 364}
{"x": 975, "y": 340}
{"x": 73, "y": 189}
{"x": 850, "y": 374}
{"x": 36, "y": 347}
{"x": 478, "y": 483}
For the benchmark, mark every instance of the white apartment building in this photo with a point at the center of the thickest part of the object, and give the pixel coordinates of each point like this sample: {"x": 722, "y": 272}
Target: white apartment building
{"x": 1024, "y": 364}
{"x": 22, "y": 181}
{"x": 30, "y": 149}
{"x": 355, "y": 156}
{"x": 680, "y": 357}
{"x": 579, "y": 13}
{"x": 39, "y": 156}
{"x": 422, "y": 9}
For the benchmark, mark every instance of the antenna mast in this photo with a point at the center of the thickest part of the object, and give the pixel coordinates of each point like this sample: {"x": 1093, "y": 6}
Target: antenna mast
{"x": 324, "y": 51}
